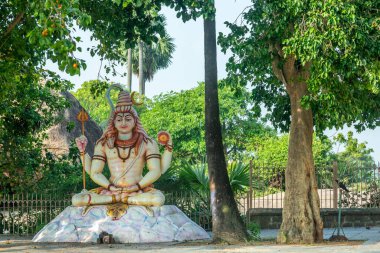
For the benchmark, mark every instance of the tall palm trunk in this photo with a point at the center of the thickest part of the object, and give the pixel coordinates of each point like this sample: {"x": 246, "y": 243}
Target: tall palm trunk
{"x": 227, "y": 224}
{"x": 141, "y": 69}
{"x": 129, "y": 79}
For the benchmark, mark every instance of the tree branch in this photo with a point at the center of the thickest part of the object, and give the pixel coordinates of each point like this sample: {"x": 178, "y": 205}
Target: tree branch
{"x": 14, "y": 23}
{"x": 276, "y": 57}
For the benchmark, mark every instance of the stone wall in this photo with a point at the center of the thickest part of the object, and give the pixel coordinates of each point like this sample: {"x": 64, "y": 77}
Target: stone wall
{"x": 351, "y": 217}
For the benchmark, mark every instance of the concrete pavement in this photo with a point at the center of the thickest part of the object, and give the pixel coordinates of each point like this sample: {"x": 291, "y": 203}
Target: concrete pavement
{"x": 371, "y": 238}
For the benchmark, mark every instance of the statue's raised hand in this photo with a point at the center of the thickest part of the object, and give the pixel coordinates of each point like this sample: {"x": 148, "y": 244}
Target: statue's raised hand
{"x": 165, "y": 139}
{"x": 81, "y": 142}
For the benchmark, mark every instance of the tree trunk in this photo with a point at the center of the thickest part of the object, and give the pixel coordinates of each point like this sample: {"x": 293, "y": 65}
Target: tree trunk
{"x": 129, "y": 79}
{"x": 227, "y": 224}
{"x": 301, "y": 220}
{"x": 141, "y": 69}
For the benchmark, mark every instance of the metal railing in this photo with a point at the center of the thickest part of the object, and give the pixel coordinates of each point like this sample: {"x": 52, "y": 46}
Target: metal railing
{"x": 26, "y": 214}
{"x": 267, "y": 187}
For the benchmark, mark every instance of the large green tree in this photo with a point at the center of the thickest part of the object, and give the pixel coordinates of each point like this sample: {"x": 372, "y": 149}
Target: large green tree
{"x": 31, "y": 33}
{"x": 313, "y": 65}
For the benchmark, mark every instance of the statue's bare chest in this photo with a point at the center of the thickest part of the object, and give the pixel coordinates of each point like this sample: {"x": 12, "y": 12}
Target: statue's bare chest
{"x": 119, "y": 155}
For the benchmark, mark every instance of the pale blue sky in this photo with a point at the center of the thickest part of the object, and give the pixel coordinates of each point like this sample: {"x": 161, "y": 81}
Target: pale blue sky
{"x": 188, "y": 64}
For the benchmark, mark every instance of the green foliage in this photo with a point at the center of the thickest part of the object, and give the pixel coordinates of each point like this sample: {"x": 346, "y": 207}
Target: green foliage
{"x": 355, "y": 163}
{"x": 254, "y": 231}
{"x": 192, "y": 9}
{"x": 238, "y": 174}
{"x": 354, "y": 152}
{"x": 65, "y": 169}
{"x": 273, "y": 150}
{"x": 194, "y": 178}
{"x": 26, "y": 109}
{"x": 96, "y": 105}
{"x": 336, "y": 42}
{"x": 32, "y": 32}
{"x": 117, "y": 25}
{"x": 182, "y": 114}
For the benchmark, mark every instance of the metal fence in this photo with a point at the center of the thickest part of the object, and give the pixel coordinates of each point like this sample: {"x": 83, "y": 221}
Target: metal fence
{"x": 26, "y": 214}
{"x": 267, "y": 186}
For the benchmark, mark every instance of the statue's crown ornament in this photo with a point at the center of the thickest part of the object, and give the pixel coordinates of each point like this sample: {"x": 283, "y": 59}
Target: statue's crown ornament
{"x": 125, "y": 100}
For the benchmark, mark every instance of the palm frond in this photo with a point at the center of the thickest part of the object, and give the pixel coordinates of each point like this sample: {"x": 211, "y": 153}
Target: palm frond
{"x": 196, "y": 176}
{"x": 238, "y": 176}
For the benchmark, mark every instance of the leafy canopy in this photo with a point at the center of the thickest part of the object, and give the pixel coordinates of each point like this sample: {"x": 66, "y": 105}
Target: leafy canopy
{"x": 336, "y": 41}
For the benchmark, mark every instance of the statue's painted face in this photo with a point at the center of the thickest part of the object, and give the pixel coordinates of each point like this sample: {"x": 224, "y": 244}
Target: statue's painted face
{"x": 124, "y": 122}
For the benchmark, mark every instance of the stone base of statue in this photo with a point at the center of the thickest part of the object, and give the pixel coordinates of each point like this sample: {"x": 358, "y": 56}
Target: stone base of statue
{"x": 133, "y": 224}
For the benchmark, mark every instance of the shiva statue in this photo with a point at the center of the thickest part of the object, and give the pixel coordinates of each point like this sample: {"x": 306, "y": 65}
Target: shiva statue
{"x": 126, "y": 148}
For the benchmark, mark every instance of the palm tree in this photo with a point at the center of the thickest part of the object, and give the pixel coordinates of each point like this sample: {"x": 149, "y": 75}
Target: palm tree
{"x": 152, "y": 57}
{"x": 129, "y": 72}
{"x": 226, "y": 220}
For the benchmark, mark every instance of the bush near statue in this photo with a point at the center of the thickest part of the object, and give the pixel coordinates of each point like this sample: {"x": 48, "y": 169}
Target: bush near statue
{"x": 126, "y": 148}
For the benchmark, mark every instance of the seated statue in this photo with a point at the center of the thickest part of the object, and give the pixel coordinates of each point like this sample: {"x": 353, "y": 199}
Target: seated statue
{"x": 126, "y": 148}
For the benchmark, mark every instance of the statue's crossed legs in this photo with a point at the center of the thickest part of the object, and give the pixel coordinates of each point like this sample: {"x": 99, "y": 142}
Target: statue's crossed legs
{"x": 101, "y": 196}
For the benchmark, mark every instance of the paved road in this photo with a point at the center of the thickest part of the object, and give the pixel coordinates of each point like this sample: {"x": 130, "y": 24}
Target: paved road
{"x": 371, "y": 238}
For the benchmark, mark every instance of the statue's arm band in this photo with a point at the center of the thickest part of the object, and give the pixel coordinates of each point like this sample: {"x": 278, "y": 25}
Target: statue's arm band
{"x": 99, "y": 157}
{"x": 158, "y": 156}
{"x": 109, "y": 186}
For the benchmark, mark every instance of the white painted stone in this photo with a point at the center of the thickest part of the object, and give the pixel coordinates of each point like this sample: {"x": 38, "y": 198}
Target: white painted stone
{"x": 126, "y": 235}
{"x": 86, "y": 235}
{"x": 178, "y": 219}
{"x": 138, "y": 225}
{"x": 165, "y": 229}
{"x": 167, "y": 210}
{"x": 189, "y": 230}
{"x": 149, "y": 235}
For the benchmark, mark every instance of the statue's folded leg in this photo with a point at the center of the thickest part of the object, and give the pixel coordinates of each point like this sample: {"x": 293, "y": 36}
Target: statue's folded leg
{"x": 98, "y": 196}
{"x": 91, "y": 198}
{"x": 153, "y": 197}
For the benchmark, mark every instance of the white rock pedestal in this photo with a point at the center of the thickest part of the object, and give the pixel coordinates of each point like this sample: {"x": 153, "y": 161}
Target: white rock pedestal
{"x": 166, "y": 224}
